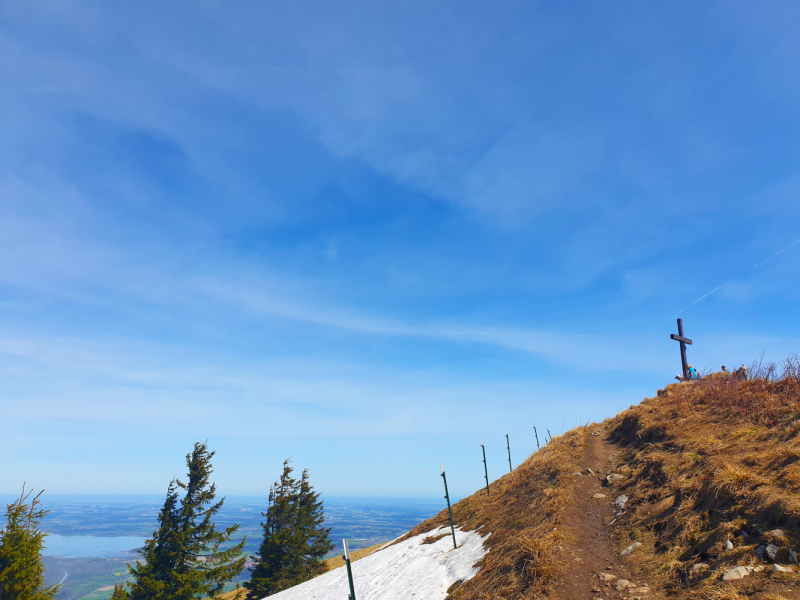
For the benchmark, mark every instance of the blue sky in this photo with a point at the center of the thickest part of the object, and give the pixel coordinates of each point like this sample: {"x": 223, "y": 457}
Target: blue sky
{"x": 367, "y": 235}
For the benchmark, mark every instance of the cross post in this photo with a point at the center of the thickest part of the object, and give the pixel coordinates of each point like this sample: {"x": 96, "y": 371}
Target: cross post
{"x": 508, "y": 447}
{"x": 485, "y": 470}
{"x": 683, "y": 341}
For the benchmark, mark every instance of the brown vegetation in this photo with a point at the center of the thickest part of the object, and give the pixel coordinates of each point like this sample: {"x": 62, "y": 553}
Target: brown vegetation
{"x": 522, "y": 517}
{"x": 713, "y": 461}
{"x": 239, "y": 594}
{"x": 334, "y": 562}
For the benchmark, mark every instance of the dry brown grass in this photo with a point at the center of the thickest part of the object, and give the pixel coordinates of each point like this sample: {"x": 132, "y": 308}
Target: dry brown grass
{"x": 729, "y": 592}
{"x": 711, "y": 459}
{"x": 723, "y": 592}
{"x": 334, "y": 562}
{"x": 240, "y": 594}
{"x": 523, "y": 515}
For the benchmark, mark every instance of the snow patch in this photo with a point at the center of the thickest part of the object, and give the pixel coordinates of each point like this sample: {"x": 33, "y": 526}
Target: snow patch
{"x": 407, "y": 570}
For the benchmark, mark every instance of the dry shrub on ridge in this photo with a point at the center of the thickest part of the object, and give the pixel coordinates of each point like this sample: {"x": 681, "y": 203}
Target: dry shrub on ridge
{"x": 713, "y": 458}
{"x": 723, "y": 592}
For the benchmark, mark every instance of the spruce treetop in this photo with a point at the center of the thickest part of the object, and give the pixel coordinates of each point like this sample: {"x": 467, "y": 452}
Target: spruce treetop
{"x": 185, "y": 558}
{"x": 295, "y": 540}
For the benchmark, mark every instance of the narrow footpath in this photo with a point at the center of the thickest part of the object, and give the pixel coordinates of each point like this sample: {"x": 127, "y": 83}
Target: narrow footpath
{"x": 595, "y": 569}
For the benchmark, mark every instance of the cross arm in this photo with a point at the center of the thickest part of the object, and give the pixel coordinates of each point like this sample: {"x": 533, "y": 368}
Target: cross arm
{"x": 680, "y": 338}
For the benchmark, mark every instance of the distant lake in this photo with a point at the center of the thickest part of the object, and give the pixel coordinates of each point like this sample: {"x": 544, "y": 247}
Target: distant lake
{"x": 90, "y": 546}
{"x": 104, "y": 527}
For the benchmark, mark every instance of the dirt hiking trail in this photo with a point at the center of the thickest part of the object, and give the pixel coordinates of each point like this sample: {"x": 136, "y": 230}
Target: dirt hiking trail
{"x": 595, "y": 569}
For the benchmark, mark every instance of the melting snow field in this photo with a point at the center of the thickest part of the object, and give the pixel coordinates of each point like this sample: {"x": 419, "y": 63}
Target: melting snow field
{"x": 404, "y": 571}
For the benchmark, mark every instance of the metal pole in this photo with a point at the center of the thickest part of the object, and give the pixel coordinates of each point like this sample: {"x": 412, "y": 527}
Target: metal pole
{"x": 346, "y": 558}
{"x": 449, "y": 510}
{"x": 485, "y": 470}
{"x": 508, "y": 447}
{"x": 537, "y": 437}
{"x": 684, "y": 363}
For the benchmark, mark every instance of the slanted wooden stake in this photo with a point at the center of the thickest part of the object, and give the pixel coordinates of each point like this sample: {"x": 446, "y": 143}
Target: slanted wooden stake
{"x": 537, "y": 437}
{"x": 449, "y": 510}
{"x": 684, "y": 341}
{"x": 508, "y": 447}
{"x": 346, "y": 558}
{"x": 485, "y": 470}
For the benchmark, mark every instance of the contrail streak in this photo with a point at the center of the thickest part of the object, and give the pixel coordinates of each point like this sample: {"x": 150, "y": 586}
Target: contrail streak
{"x": 755, "y": 266}
{"x": 707, "y": 294}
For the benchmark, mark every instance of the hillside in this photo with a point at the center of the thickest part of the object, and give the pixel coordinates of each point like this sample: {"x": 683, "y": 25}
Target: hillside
{"x": 711, "y": 475}
{"x": 691, "y": 494}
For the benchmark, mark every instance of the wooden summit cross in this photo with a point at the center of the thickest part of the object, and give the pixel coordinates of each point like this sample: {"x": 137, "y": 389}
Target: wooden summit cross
{"x": 684, "y": 341}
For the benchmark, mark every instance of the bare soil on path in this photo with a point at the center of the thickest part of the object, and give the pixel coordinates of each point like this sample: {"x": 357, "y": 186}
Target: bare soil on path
{"x": 594, "y": 567}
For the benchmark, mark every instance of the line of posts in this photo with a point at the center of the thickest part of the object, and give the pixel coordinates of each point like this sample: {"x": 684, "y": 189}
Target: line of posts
{"x": 346, "y": 555}
{"x": 485, "y": 475}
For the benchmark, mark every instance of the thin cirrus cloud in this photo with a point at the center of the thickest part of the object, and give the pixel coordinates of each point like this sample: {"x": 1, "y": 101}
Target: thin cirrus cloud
{"x": 743, "y": 275}
{"x": 581, "y": 351}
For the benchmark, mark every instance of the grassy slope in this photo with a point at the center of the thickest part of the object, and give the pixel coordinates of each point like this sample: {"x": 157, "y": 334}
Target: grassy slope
{"x": 523, "y": 516}
{"x": 703, "y": 462}
{"x": 709, "y": 461}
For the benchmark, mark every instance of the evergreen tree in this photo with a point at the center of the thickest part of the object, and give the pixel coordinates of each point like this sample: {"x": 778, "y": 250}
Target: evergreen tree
{"x": 184, "y": 560}
{"x": 154, "y": 575}
{"x": 21, "y": 567}
{"x": 295, "y": 540}
{"x": 311, "y": 521}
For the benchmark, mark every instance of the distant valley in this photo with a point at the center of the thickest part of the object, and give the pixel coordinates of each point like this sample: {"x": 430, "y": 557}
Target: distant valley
{"x": 81, "y": 528}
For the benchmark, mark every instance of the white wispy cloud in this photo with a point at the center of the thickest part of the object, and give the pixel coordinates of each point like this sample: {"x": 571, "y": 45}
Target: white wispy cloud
{"x": 70, "y": 263}
{"x": 743, "y": 274}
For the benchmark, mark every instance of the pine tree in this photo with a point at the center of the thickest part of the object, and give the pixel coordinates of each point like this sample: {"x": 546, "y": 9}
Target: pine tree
{"x": 295, "y": 540}
{"x": 184, "y": 560}
{"x": 21, "y": 566}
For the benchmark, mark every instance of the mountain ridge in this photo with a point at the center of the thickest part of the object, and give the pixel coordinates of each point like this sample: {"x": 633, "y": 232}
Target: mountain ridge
{"x": 690, "y": 493}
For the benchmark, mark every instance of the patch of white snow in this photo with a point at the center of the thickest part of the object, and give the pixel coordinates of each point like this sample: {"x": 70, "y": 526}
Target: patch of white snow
{"x": 408, "y": 570}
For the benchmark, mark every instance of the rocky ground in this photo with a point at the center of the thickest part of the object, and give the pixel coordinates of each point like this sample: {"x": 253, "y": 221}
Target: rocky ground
{"x": 602, "y": 562}
{"x": 596, "y": 567}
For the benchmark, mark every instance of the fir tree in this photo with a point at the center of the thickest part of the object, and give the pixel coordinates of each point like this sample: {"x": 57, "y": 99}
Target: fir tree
{"x": 295, "y": 540}
{"x": 21, "y": 566}
{"x": 184, "y": 560}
